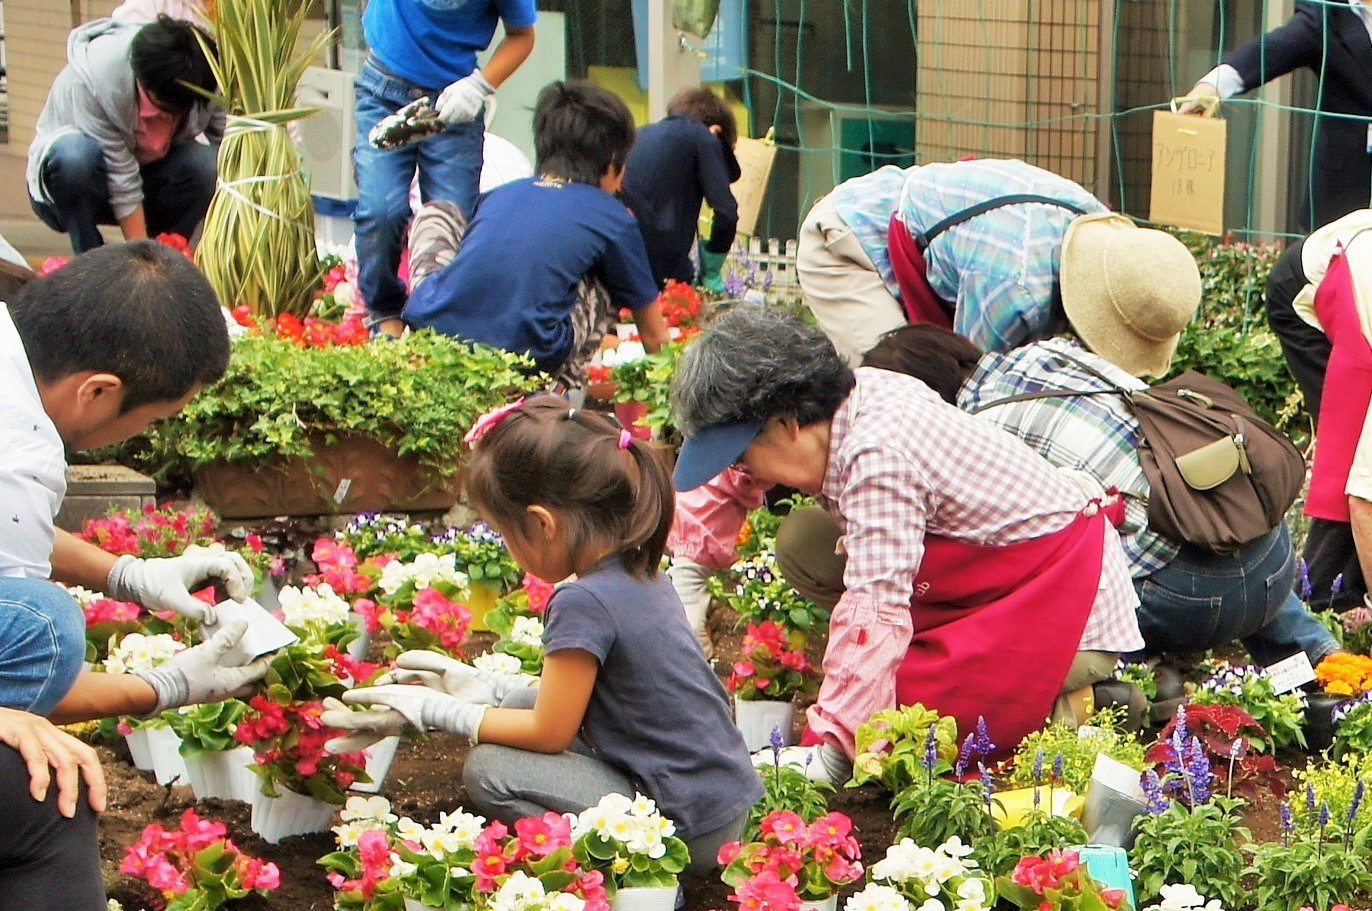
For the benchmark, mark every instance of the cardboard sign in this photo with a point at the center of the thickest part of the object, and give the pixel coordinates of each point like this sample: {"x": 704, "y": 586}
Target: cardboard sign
{"x": 755, "y": 159}
{"x": 1188, "y": 171}
{"x": 1290, "y": 673}
{"x": 265, "y": 633}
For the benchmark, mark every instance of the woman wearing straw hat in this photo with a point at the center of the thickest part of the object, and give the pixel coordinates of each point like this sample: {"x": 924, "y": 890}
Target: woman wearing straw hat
{"x": 981, "y": 247}
{"x": 977, "y": 579}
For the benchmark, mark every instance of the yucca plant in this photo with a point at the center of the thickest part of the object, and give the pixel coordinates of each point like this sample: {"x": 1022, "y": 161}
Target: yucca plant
{"x": 258, "y": 245}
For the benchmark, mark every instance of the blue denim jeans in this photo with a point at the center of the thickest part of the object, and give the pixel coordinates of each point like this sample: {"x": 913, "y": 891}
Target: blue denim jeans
{"x": 176, "y": 190}
{"x": 449, "y": 166}
{"x": 42, "y": 644}
{"x": 1203, "y": 600}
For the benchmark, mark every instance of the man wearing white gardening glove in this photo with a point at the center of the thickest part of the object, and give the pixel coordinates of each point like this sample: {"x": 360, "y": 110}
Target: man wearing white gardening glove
{"x": 365, "y": 726}
{"x": 690, "y": 579}
{"x": 461, "y": 101}
{"x": 165, "y": 583}
{"x": 423, "y": 708}
{"x": 455, "y": 678}
{"x": 199, "y": 674}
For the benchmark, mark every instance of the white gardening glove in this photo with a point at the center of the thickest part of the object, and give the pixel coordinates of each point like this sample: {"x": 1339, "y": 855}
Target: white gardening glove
{"x": 165, "y": 583}
{"x": 689, "y": 579}
{"x": 819, "y": 763}
{"x": 366, "y": 726}
{"x": 453, "y": 677}
{"x": 423, "y": 708}
{"x": 200, "y": 674}
{"x": 1084, "y": 481}
{"x": 462, "y": 101}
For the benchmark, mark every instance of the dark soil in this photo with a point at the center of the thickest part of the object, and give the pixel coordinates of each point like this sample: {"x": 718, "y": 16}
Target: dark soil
{"x": 425, "y": 779}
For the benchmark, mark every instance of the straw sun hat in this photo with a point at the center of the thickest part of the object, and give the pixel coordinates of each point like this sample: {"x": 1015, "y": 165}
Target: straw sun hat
{"x": 1128, "y": 291}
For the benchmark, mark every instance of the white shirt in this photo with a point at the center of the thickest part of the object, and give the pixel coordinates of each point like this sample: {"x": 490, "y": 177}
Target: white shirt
{"x": 33, "y": 464}
{"x": 1227, "y": 81}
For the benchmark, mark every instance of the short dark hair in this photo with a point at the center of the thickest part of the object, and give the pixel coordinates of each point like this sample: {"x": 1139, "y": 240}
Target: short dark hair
{"x": 139, "y": 310}
{"x": 167, "y": 59}
{"x": 549, "y": 454}
{"x": 581, "y": 131}
{"x": 703, "y": 106}
{"x": 939, "y": 357}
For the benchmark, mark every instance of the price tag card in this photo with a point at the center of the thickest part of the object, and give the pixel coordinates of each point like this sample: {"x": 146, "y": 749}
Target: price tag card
{"x": 1290, "y": 673}
{"x": 265, "y": 633}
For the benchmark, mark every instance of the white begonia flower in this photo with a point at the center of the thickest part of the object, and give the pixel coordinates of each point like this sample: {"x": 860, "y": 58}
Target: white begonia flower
{"x": 642, "y": 806}
{"x": 348, "y": 834}
{"x": 931, "y": 904}
{"x": 566, "y": 901}
{"x": 375, "y": 808}
{"x": 527, "y": 631}
{"x": 400, "y": 869}
{"x": 440, "y": 843}
{"x": 969, "y": 904}
{"x": 626, "y": 352}
{"x": 409, "y": 829}
{"x": 518, "y": 893}
{"x": 972, "y": 888}
{"x": 954, "y": 847}
{"x": 945, "y": 868}
{"x": 464, "y": 826}
{"x": 83, "y": 596}
{"x": 138, "y": 652}
{"x": 313, "y": 605}
{"x": 498, "y": 663}
{"x": 876, "y": 897}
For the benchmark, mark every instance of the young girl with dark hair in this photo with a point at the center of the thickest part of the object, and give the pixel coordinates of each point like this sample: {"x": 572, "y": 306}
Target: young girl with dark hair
{"x": 626, "y": 701}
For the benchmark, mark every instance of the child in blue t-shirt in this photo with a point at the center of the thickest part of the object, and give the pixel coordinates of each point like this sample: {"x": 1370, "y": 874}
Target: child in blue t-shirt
{"x": 548, "y": 261}
{"x": 626, "y": 701}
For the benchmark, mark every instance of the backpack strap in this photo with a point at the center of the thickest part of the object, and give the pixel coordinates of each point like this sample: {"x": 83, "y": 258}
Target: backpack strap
{"x": 1046, "y": 394}
{"x": 924, "y": 238}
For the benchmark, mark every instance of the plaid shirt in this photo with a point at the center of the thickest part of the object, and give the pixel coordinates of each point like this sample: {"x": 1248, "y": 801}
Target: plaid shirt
{"x": 903, "y": 463}
{"x": 999, "y": 268}
{"x": 1096, "y": 434}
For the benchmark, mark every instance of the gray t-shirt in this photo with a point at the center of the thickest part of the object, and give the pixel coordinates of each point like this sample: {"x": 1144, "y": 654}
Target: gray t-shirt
{"x": 657, "y": 711}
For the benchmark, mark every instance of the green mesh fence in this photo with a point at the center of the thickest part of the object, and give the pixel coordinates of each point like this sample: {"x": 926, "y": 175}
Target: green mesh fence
{"x": 1069, "y": 85}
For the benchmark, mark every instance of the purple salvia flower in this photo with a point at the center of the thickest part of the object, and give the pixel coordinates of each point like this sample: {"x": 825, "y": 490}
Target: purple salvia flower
{"x": 1038, "y": 766}
{"x": 1152, "y": 789}
{"x": 988, "y": 784}
{"x": 984, "y": 745}
{"x": 1198, "y": 772}
{"x": 776, "y": 741}
{"x": 1337, "y": 587}
{"x": 964, "y": 757}
{"x": 1306, "y": 590}
{"x": 1324, "y": 814}
{"x": 1310, "y": 799}
{"x": 1356, "y": 802}
{"x": 1057, "y": 766}
{"x": 930, "y": 750}
{"x": 1287, "y": 825}
{"x": 1236, "y": 748}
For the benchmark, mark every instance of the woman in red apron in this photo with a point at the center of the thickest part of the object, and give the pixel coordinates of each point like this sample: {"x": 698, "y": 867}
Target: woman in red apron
{"x": 972, "y": 578}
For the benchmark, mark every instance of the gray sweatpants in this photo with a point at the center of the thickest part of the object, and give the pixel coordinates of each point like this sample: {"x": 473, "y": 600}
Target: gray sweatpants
{"x": 507, "y": 783}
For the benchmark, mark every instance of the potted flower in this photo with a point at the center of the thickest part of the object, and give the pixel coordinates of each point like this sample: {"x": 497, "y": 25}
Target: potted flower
{"x": 152, "y": 744}
{"x": 1058, "y": 881}
{"x": 107, "y": 620}
{"x": 892, "y": 746}
{"x": 217, "y": 765}
{"x": 480, "y": 553}
{"x": 521, "y": 638}
{"x": 1353, "y": 727}
{"x": 794, "y": 866}
{"x": 196, "y": 867}
{"x": 1247, "y": 686}
{"x": 529, "y": 600}
{"x": 771, "y": 671}
{"x": 635, "y": 848}
{"x": 296, "y": 429}
{"x": 423, "y": 604}
{"x": 755, "y": 588}
{"x": 1343, "y": 676}
{"x": 911, "y": 876}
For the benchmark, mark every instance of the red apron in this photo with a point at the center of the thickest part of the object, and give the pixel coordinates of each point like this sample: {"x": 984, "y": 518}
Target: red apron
{"x": 1341, "y": 415}
{"x": 921, "y": 304}
{"x": 997, "y": 627}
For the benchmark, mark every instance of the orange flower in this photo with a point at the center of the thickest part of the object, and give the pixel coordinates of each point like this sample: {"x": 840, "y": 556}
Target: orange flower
{"x": 1345, "y": 674}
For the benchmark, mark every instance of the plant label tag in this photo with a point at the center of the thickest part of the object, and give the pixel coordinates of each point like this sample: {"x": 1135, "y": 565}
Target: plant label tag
{"x": 265, "y": 633}
{"x": 340, "y": 492}
{"x": 1289, "y": 673}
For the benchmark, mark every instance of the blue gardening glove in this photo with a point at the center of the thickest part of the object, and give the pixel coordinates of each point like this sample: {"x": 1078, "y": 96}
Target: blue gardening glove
{"x": 462, "y": 101}
{"x": 423, "y": 708}
{"x": 711, "y": 265}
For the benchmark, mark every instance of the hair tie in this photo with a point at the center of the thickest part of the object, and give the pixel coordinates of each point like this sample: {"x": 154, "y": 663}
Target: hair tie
{"x": 625, "y": 438}
{"x": 488, "y": 421}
